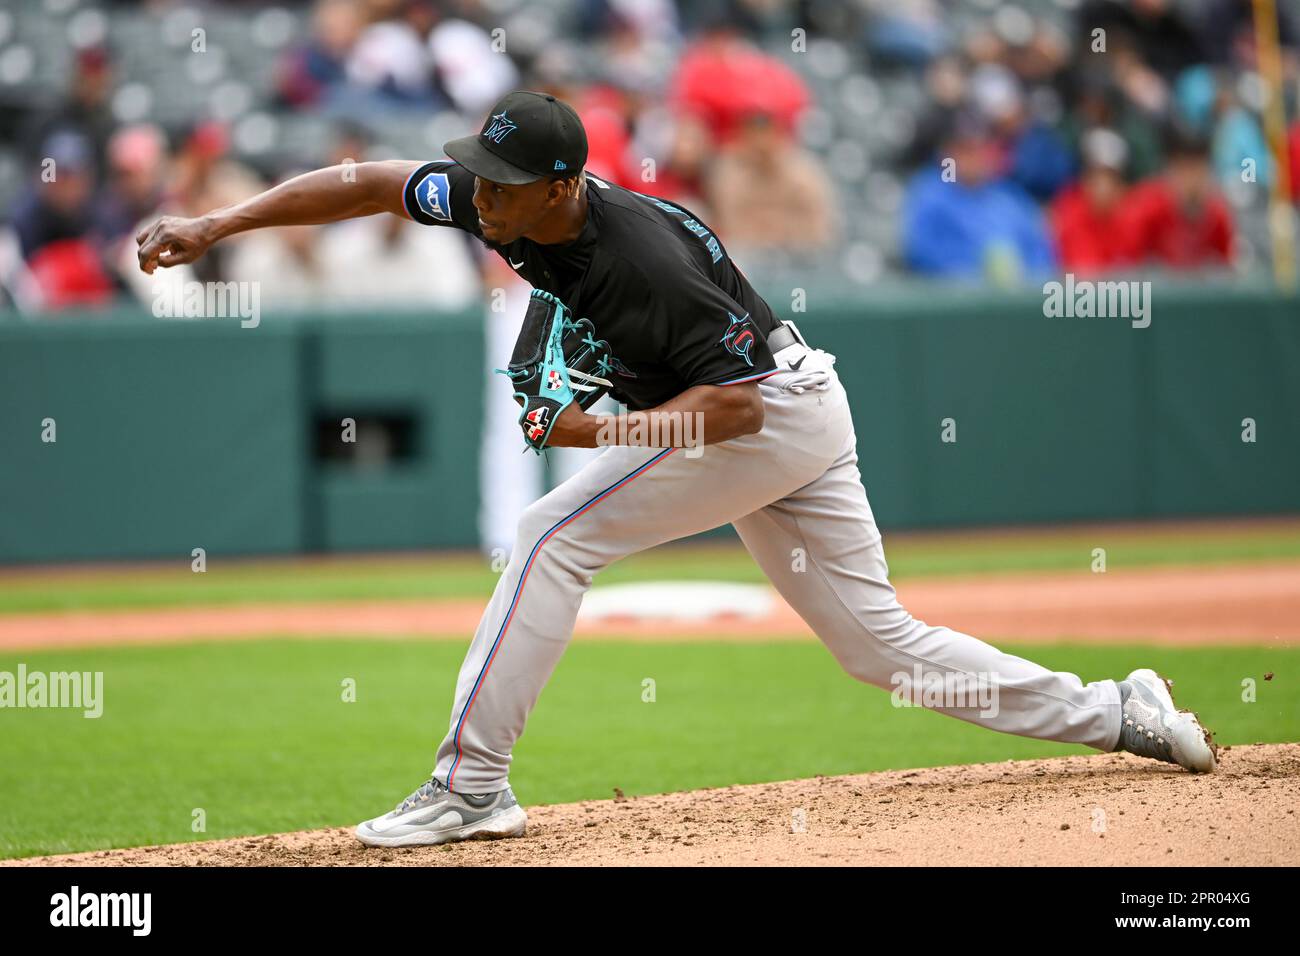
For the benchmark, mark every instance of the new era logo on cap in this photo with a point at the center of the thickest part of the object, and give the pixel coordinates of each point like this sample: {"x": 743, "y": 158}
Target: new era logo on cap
{"x": 526, "y": 137}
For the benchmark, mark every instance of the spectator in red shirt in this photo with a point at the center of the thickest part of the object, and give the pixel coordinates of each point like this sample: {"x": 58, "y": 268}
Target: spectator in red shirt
{"x": 1294, "y": 150}
{"x": 723, "y": 78}
{"x": 1179, "y": 219}
{"x": 1086, "y": 216}
{"x": 604, "y": 115}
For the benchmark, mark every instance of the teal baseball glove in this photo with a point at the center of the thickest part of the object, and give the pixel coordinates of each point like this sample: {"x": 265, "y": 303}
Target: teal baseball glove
{"x": 557, "y": 361}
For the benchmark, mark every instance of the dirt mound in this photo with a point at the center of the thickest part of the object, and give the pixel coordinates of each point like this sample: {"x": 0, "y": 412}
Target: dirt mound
{"x": 1103, "y": 810}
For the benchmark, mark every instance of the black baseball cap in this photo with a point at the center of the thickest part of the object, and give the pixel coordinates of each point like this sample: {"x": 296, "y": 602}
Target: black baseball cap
{"x": 526, "y": 136}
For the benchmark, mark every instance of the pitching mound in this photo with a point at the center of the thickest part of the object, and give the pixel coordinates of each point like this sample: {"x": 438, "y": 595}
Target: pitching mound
{"x": 1103, "y": 810}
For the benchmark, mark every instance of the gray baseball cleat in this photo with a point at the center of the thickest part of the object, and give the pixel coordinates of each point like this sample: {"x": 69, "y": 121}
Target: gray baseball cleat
{"x": 1151, "y": 726}
{"x": 433, "y": 815}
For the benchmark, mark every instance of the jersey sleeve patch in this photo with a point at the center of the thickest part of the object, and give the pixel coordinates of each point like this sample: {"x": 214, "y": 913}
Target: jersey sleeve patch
{"x": 432, "y": 195}
{"x": 441, "y": 193}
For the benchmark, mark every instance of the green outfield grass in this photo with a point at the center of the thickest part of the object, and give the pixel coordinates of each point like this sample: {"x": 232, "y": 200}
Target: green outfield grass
{"x": 257, "y": 735}
{"x": 231, "y": 581}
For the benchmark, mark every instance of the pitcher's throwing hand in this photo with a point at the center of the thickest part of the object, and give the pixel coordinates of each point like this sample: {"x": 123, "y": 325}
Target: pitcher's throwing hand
{"x": 172, "y": 241}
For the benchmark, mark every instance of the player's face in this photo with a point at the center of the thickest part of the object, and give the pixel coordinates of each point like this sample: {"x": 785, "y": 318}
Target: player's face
{"x": 507, "y": 212}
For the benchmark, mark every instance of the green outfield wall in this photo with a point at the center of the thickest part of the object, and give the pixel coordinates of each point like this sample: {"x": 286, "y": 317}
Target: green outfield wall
{"x": 171, "y": 435}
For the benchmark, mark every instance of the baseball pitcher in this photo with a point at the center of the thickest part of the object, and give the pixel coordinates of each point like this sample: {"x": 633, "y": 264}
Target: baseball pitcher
{"x": 732, "y": 418}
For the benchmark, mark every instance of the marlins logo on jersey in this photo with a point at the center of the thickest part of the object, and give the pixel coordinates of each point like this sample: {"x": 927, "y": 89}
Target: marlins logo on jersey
{"x": 502, "y": 126}
{"x": 739, "y": 337}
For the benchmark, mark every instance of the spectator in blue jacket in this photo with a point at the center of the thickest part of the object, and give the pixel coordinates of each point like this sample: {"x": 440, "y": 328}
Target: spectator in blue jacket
{"x": 1034, "y": 155}
{"x": 961, "y": 219}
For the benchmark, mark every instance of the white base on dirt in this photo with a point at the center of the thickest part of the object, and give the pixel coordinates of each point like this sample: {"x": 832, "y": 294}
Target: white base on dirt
{"x": 677, "y": 601}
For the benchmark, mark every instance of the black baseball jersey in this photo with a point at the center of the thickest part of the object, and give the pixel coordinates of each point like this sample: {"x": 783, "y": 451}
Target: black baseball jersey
{"x": 654, "y": 280}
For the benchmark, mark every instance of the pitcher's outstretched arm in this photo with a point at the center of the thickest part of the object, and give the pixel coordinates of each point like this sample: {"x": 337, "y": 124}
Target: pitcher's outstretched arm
{"x": 323, "y": 195}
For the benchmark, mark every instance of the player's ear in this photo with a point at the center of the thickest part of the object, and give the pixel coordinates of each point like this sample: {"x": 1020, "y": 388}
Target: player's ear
{"x": 558, "y": 190}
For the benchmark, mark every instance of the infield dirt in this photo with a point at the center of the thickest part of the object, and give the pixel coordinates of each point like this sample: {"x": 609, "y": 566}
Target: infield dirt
{"x": 1242, "y": 603}
{"x": 1103, "y": 810}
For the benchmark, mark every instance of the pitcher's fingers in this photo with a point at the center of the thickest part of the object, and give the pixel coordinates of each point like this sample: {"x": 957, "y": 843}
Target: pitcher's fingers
{"x": 175, "y": 255}
{"x": 151, "y": 232}
{"x": 149, "y": 252}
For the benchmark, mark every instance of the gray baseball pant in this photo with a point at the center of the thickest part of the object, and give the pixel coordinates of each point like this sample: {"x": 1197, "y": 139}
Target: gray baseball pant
{"x": 795, "y": 496}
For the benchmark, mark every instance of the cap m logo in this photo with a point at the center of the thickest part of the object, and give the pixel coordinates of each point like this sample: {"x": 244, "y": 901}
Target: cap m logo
{"x": 500, "y": 127}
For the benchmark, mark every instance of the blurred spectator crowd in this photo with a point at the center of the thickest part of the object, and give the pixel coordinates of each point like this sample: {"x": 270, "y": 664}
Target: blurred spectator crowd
{"x": 995, "y": 140}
